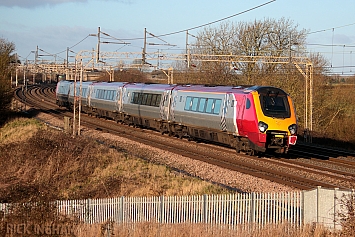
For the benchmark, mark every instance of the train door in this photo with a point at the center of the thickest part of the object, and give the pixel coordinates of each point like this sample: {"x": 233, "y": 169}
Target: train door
{"x": 240, "y": 106}
{"x": 124, "y": 99}
{"x": 172, "y": 104}
{"x": 229, "y": 110}
{"x": 89, "y": 95}
{"x": 118, "y": 99}
{"x": 165, "y": 105}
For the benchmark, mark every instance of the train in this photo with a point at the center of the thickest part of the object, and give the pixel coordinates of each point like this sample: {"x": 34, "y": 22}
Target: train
{"x": 251, "y": 119}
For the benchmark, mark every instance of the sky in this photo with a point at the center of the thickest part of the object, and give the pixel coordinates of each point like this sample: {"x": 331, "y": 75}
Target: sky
{"x": 55, "y": 25}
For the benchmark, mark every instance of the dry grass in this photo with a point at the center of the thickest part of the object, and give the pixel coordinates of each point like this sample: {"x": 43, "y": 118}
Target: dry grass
{"x": 198, "y": 230}
{"x": 47, "y": 164}
{"x": 18, "y": 130}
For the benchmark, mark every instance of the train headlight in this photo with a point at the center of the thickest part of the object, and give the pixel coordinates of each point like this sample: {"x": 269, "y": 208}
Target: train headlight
{"x": 262, "y": 126}
{"x": 293, "y": 129}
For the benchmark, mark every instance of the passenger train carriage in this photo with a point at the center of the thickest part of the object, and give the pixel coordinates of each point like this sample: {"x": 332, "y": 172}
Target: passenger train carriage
{"x": 251, "y": 119}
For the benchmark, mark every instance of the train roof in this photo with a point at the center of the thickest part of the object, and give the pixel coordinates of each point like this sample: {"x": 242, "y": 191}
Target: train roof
{"x": 114, "y": 85}
{"x": 149, "y": 86}
{"x": 241, "y": 89}
{"x": 214, "y": 89}
{"x": 244, "y": 89}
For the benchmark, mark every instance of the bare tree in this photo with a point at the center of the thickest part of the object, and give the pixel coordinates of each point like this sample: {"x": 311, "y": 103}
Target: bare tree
{"x": 7, "y": 61}
{"x": 271, "y": 38}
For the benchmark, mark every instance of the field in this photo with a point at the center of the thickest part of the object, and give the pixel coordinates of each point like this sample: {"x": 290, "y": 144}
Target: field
{"x": 41, "y": 165}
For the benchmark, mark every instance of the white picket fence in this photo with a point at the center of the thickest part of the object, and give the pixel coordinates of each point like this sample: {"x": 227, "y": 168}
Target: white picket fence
{"x": 319, "y": 205}
{"x": 232, "y": 209}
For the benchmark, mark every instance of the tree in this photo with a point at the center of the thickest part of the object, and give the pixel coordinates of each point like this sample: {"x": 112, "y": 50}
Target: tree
{"x": 7, "y": 60}
{"x": 269, "y": 38}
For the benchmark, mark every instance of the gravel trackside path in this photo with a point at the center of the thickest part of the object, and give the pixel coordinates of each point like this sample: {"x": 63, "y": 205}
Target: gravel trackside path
{"x": 238, "y": 181}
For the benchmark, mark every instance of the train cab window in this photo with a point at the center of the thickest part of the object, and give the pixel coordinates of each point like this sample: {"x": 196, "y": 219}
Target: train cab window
{"x": 275, "y": 106}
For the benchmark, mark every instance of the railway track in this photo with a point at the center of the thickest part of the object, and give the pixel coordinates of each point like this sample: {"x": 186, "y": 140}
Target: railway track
{"x": 298, "y": 173}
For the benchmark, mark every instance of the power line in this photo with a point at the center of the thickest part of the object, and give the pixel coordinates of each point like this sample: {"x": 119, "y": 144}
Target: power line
{"x": 331, "y": 28}
{"x": 177, "y": 32}
{"x": 74, "y": 45}
{"x": 210, "y": 23}
{"x": 337, "y": 45}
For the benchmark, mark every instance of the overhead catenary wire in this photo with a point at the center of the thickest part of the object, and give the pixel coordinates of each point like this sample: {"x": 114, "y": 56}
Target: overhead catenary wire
{"x": 73, "y": 45}
{"x": 313, "y": 32}
{"x": 210, "y": 23}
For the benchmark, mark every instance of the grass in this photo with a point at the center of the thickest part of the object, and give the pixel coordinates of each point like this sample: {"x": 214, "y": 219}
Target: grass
{"x": 45, "y": 164}
{"x": 197, "y": 230}
{"x": 19, "y": 129}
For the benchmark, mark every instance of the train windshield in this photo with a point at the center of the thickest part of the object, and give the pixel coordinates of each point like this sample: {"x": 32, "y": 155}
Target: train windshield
{"x": 274, "y": 103}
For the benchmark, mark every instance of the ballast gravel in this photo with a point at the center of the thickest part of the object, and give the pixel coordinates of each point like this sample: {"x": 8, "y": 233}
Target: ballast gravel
{"x": 235, "y": 180}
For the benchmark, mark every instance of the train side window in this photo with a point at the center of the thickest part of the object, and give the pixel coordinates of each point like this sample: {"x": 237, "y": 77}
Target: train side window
{"x": 217, "y": 106}
{"x": 154, "y": 99}
{"x": 209, "y": 105}
{"x": 84, "y": 92}
{"x": 144, "y": 99}
{"x": 247, "y": 104}
{"x": 194, "y": 103}
{"x": 140, "y": 96}
{"x": 149, "y": 99}
{"x": 202, "y": 105}
{"x": 157, "y": 102}
{"x": 135, "y": 98}
{"x": 111, "y": 95}
{"x": 188, "y": 103}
